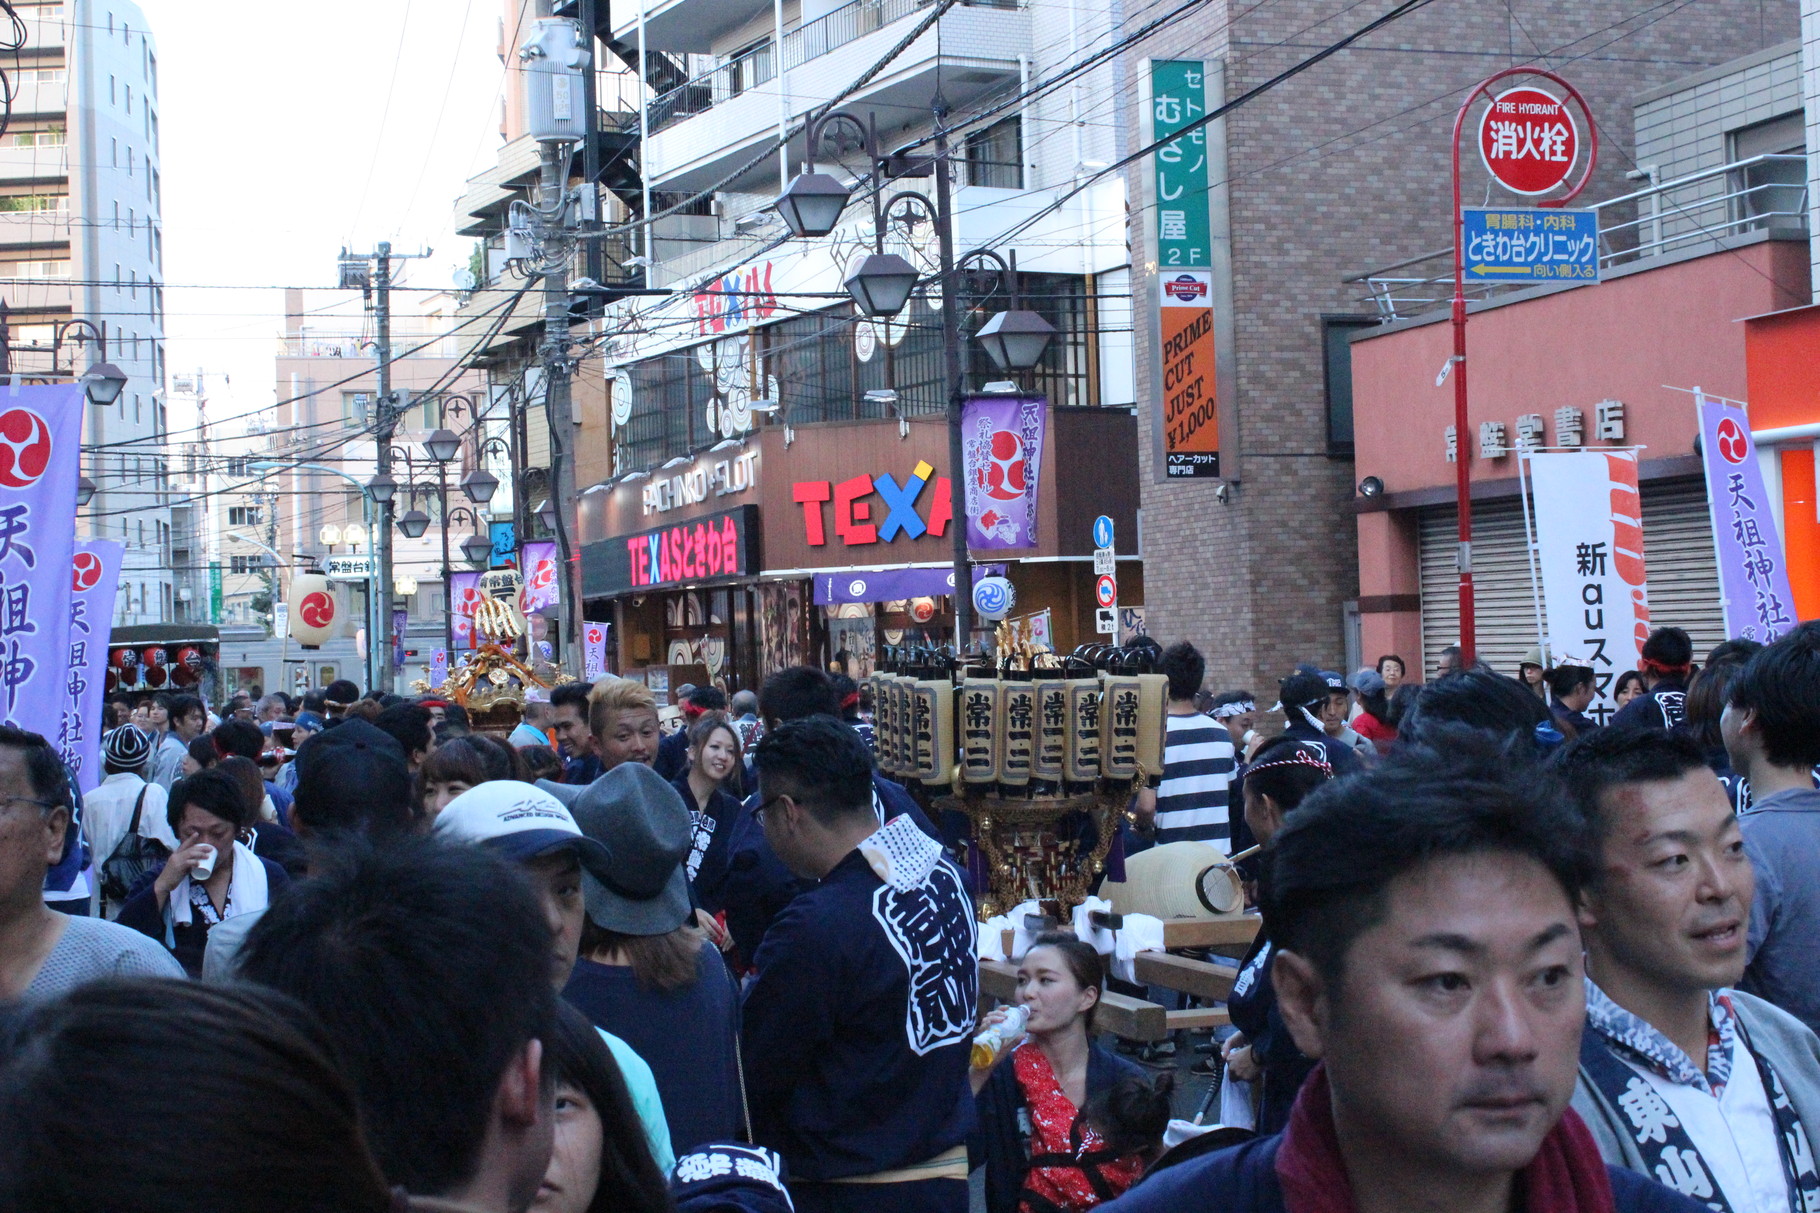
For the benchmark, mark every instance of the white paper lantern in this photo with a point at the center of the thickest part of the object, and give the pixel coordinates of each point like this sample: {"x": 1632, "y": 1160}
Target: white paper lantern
{"x": 315, "y": 609}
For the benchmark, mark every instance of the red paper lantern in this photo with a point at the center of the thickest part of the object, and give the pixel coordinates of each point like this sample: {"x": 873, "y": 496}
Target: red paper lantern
{"x": 155, "y": 675}
{"x": 126, "y": 661}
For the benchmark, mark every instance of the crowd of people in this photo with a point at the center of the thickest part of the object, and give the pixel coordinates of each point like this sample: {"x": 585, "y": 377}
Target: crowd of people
{"x": 347, "y": 953}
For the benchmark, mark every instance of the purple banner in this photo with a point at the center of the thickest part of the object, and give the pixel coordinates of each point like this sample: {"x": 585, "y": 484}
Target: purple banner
{"x": 40, "y": 431}
{"x": 542, "y": 577}
{"x": 464, "y": 596}
{"x": 593, "y": 650}
{"x": 1753, "y": 570}
{"x": 439, "y": 667}
{"x": 96, "y": 577}
{"x": 1002, "y": 444}
{"x": 889, "y": 585}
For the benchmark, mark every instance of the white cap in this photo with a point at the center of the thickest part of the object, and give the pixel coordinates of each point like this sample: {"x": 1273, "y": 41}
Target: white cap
{"x": 518, "y": 820}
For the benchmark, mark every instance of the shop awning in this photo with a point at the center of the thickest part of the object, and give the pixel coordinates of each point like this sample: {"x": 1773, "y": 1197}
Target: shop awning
{"x": 888, "y": 585}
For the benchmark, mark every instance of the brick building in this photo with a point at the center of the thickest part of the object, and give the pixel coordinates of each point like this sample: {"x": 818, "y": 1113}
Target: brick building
{"x": 1338, "y": 170}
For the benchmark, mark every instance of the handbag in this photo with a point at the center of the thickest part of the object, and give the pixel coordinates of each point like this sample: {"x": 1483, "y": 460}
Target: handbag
{"x": 133, "y": 857}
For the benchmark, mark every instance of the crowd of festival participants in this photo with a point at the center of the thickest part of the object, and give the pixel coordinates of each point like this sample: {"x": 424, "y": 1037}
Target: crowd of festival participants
{"x": 346, "y": 954}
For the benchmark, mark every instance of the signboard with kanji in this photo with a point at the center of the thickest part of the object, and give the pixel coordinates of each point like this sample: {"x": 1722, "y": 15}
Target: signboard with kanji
{"x": 1184, "y": 230}
{"x": 1191, "y": 422}
{"x": 1528, "y": 140}
{"x": 1530, "y": 244}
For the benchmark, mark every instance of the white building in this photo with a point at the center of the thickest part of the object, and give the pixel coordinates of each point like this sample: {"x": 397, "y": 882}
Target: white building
{"x": 81, "y": 240}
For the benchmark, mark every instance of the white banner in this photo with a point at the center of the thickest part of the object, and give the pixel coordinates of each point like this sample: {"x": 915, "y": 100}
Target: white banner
{"x": 1589, "y": 541}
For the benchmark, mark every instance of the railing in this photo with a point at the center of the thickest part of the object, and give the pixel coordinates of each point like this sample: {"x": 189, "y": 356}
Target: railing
{"x": 1762, "y": 193}
{"x": 758, "y": 65}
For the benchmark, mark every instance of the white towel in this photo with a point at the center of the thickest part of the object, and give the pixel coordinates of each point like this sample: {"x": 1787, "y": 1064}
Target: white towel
{"x": 1021, "y": 936}
{"x": 1103, "y": 939}
{"x": 246, "y": 888}
{"x": 1141, "y": 933}
{"x": 992, "y": 937}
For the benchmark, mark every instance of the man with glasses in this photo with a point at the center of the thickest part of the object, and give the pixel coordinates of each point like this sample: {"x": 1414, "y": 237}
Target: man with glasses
{"x": 43, "y": 953}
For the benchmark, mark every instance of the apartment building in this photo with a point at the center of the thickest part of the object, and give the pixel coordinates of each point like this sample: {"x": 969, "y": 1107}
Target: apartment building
{"x": 81, "y": 256}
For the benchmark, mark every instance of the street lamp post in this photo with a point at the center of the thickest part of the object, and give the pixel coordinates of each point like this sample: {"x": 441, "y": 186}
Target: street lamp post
{"x": 882, "y": 283}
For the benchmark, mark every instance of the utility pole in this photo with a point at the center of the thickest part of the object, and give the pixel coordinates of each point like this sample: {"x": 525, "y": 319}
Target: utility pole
{"x": 379, "y": 631}
{"x": 955, "y": 375}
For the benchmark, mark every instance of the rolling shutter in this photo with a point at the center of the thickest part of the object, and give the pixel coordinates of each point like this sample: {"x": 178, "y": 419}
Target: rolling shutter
{"x": 1677, "y": 552}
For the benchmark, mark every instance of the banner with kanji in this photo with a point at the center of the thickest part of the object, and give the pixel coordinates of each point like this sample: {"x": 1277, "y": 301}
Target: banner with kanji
{"x": 1589, "y": 550}
{"x": 439, "y": 667}
{"x": 542, "y": 577}
{"x": 1002, "y": 449}
{"x": 593, "y": 651}
{"x": 94, "y": 580}
{"x": 1753, "y": 569}
{"x": 40, "y": 434}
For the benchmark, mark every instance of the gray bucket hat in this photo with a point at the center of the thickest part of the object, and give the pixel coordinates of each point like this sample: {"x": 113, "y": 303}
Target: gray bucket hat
{"x": 645, "y": 826}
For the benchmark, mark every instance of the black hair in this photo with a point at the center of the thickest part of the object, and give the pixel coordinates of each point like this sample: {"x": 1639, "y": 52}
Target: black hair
{"x": 314, "y": 700}
{"x": 1492, "y": 703}
{"x": 709, "y": 723}
{"x": 455, "y": 760}
{"x": 166, "y": 700}
{"x": 1598, "y": 761}
{"x": 795, "y": 692}
{"x": 180, "y": 706}
{"x": 1781, "y": 686}
{"x": 500, "y": 759}
{"x": 381, "y": 942}
{"x": 1290, "y": 783}
{"x": 1084, "y": 963}
{"x": 1706, "y": 698}
{"x": 818, "y": 761}
{"x": 1566, "y": 679}
{"x": 572, "y": 694}
{"x": 352, "y": 780}
{"x": 408, "y": 724}
{"x": 1226, "y": 697}
{"x": 844, "y": 689}
{"x": 1185, "y": 668}
{"x": 203, "y": 752}
{"x": 1624, "y": 680}
{"x": 265, "y": 1115}
{"x": 1669, "y": 647}
{"x": 1133, "y": 1113}
{"x": 240, "y": 737}
{"x": 1401, "y": 664}
{"x": 341, "y": 690}
{"x": 540, "y": 762}
{"x": 455, "y": 714}
{"x": 389, "y": 700}
{"x": 43, "y": 768}
{"x": 1458, "y": 792}
{"x": 629, "y": 1178}
{"x": 708, "y": 698}
{"x": 1737, "y": 649}
{"x": 1302, "y": 689}
{"x": 215, "y": 792}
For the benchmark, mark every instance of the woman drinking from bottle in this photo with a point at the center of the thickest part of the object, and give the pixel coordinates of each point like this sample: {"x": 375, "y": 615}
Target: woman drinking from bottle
{"x": 1040, "y": 1154}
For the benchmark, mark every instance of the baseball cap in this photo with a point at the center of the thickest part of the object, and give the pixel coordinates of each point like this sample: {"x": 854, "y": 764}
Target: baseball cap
{"x": 519, "y": 822}
{"x": 127, "y": 746}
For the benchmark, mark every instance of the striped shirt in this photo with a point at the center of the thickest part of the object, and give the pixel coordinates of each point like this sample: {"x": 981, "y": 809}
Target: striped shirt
{"x": 1192, "y": 803}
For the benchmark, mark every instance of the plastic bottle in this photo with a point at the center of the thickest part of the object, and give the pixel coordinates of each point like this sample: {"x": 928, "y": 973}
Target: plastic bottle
{"x": 988, "y": 1044}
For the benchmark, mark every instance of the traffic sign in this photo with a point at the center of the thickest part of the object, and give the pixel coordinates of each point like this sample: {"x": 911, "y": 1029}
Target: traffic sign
{"x": 1104, "y": 562}
{"x": 1530, "y": 244}
{"x": 348, "y": 568}
{"x": 1528, "y": 140}
{"x": 1102, "y": 531}
{"x": 1106, "y": 592}
{"x": 1106, "y": 622}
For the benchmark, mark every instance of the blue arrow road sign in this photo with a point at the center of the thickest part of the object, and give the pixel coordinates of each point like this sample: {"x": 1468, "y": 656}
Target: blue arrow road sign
{"x": 1102, "y": 532}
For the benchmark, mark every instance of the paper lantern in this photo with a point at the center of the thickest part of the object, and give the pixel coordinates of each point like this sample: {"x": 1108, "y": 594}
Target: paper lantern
{"x": 156, "y": 655}
{"x": 155, "y": 675}
{"x": 190, "y": 658}
{"x": 127, "y": 662}
{"x": 314, "y": 609}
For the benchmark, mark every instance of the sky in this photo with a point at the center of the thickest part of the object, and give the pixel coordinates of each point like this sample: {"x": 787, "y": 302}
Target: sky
{"x": 288, "y": 132}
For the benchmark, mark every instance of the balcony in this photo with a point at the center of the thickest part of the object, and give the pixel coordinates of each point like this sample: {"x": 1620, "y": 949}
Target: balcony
{"x": 22, "y": 164}
{"x": 685, "y": 25}
{"x": 37, "y": 295}
{"x": 35, "y": 97}
{"x": 25, "y": 229}
{"x": 1700, "y": 213}
{"x": 709, "y": 126}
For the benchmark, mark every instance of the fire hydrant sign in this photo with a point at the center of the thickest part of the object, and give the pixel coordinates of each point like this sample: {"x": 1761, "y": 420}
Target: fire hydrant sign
{"x": 1528, "y": 140}
{"x": 1530, "y": 244}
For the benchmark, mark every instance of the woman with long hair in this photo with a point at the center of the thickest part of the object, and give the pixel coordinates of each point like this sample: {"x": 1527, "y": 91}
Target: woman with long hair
{"x": 450, "y": 769}
{"x": 714, "y": 756}
{"x": 600, "y": 1161}
{"x": 1261, "y": 1052}
{"x": 1041, "y": 1154}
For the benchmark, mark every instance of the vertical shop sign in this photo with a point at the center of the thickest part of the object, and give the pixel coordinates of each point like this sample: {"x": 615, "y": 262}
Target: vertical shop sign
{"x": 1183, "y": 232}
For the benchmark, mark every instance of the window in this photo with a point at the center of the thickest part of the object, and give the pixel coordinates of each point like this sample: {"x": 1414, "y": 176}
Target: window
{"x": 245, "y": 564}
{"x": 113, "y": 96}
{"x": 243, "y": 515}
{"x": 50, "y": 138}
{"x": 1335, "y": 330}
{"x": 995, "y": 156}
{"x": 35, "y": 269}
{"x": 35, "y": 202}
{"x": 129, "y": 98}
{"x": 239, "y": 465}
{"x": 1774, "y": 188}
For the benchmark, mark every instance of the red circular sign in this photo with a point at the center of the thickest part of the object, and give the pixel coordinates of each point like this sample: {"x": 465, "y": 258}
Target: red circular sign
{"x": 1106, "y": 591}
{"x": 25, "y": 448}
{"x": 87, "y": 572}
{"x": 1734, "y": 443}
{"x": 1528, "y": 140}
{"x": 317, "y": 609}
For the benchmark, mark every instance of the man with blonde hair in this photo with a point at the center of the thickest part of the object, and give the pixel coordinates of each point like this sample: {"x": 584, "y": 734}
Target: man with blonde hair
{"x": 622, "y": 717}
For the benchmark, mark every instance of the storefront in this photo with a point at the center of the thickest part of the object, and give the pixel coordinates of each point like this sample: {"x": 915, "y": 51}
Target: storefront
{"x": 1588, "y": 368}
{"x": 1782, "y": 352}
{"x": 805, "y": 543}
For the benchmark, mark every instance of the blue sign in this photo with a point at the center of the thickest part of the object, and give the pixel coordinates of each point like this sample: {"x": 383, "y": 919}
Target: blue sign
{"x": 1530, "y": 244}
{"x": 505, "y": 544}
{"x": 1102, "y": 532}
